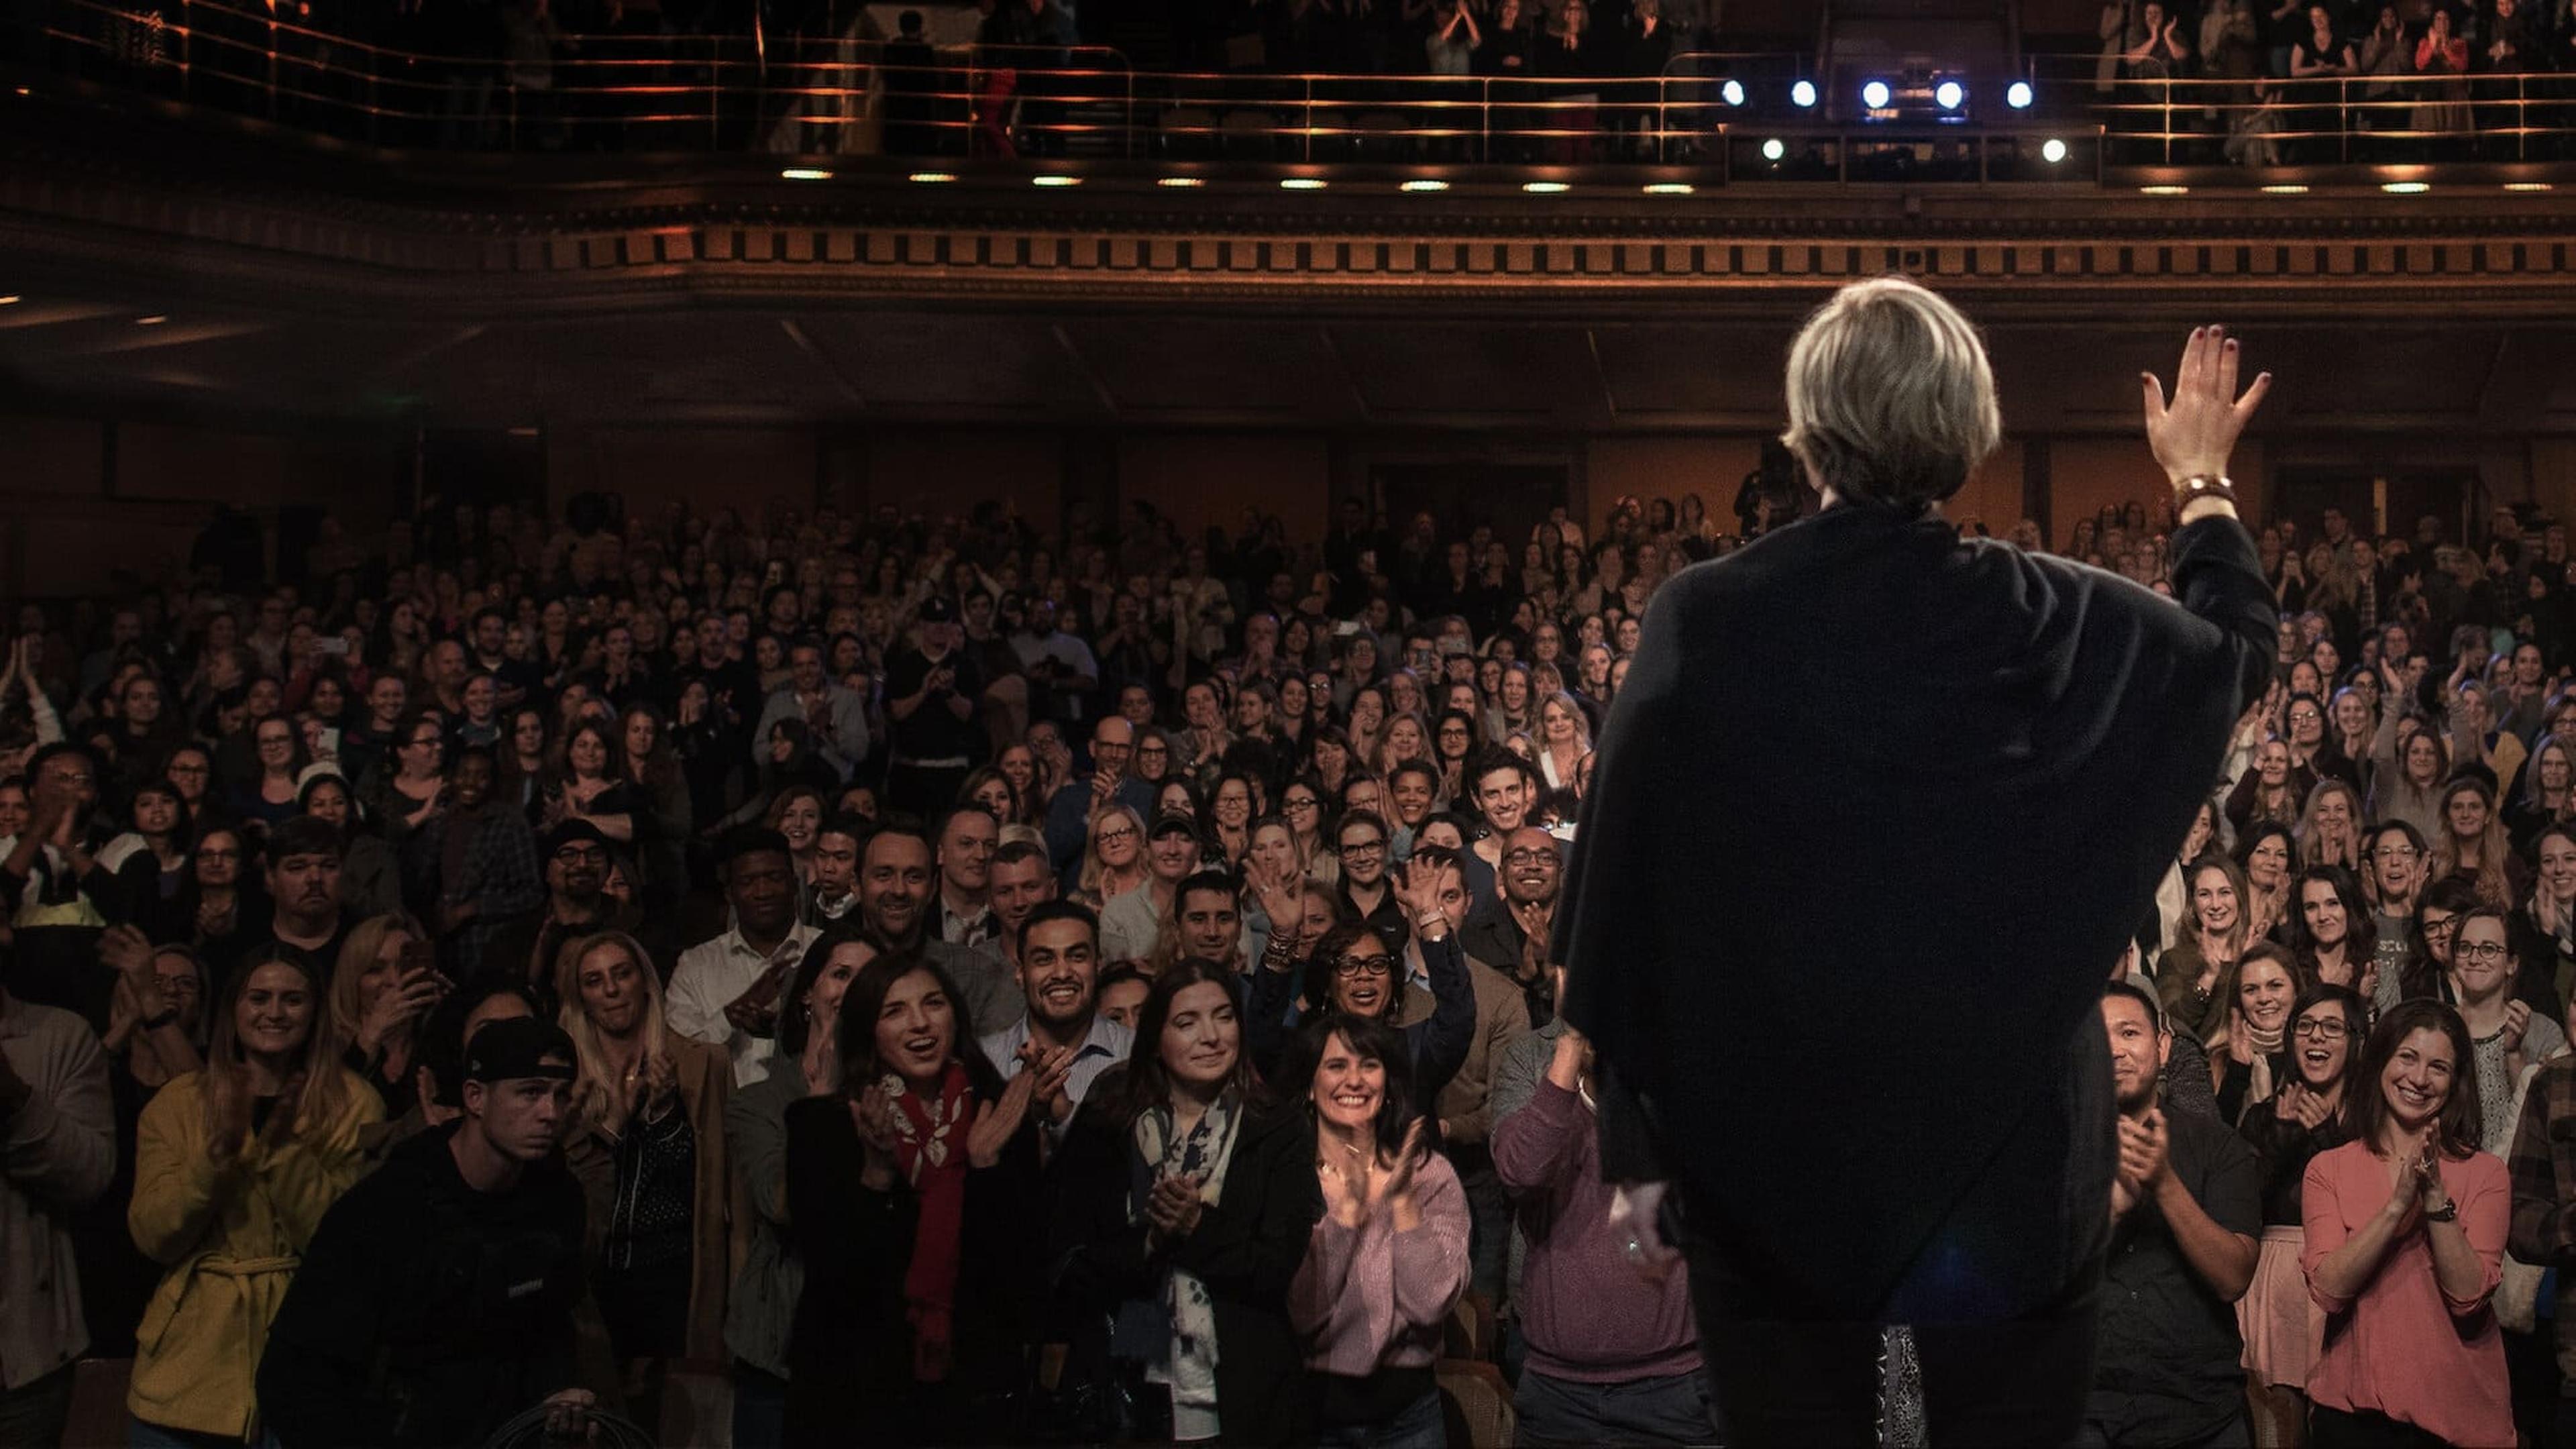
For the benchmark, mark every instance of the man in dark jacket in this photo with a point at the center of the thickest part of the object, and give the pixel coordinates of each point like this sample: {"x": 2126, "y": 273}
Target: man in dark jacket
{"x": 1856, "y": 1024}
{"x": 436, "y": 1301}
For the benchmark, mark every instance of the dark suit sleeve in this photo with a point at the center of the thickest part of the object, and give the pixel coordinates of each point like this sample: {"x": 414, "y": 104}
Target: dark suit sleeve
{"x": 313, "y": 1379}
{"x": 1095, "y": 1255}
{"x": 1249, "y": 1246}
{"x": 1450, "y": 1033}
{"x": 2218, "y": 577}
{"x": 824, "y": 1161}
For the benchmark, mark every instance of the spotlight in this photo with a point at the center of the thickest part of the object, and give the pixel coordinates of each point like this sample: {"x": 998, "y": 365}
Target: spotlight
{"x": 1733, "y": 91}
{"x": 2509, "y": 186}
{"x": 1424, "y": 185}
{"x": 1668, "y": 188}
{"x": 155, "y": 320}
{"x": 2285, "y": 188}
{"x": 2017, "y": 95}
{"x": 1949, "y": 94}
{"x": 1181, "y": 183}
{"x": 1803, "y": 95}
{"x": 1773, "y": 149}
{"x": 2052, "y": 150}
{"x": 2164, "y": 190}
{"x": 11, "y": 300}
{"x": 1301, "y": 183}
{"x": 804, "y": 173}
{"x": 1544, "y": 188}
{"x": 2405, "y": 188}
{"x": 1055, "y": 178}
{"x": 1874, "y": 95}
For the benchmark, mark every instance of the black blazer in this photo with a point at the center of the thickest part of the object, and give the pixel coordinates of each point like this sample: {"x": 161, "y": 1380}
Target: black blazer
{"x": 1862, "y": 760}
{"x": 1245, "y": 1250}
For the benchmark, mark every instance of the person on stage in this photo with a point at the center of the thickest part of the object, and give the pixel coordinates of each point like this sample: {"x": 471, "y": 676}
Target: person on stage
{"x": 1874, "y": 812}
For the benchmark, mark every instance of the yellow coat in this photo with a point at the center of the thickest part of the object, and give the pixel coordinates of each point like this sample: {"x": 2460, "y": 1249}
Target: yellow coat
{"x": 231, "y": 1238}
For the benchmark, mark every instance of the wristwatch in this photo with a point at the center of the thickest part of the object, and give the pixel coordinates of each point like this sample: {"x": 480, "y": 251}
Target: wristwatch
{"x": 2448, "y": 1212}
{"x": 2204, "y": 485}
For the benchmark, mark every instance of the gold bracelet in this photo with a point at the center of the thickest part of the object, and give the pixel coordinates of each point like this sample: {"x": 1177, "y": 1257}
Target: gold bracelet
{"x": 2204, "y": 485}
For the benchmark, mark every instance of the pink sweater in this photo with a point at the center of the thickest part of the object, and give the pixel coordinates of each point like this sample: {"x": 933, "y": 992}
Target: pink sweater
{"x": 2402, "y": 1347}
{"x": 1370, "y": 1297}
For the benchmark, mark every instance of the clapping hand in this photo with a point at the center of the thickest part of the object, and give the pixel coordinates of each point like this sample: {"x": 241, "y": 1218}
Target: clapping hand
{"x": 1052, "y": 1067}
{"x": 1172, "y": 1210}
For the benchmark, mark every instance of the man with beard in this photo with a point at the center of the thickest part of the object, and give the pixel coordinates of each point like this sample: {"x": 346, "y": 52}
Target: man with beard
{"x": 725, "y": 991}
{"x": 894, "y": 901}
{"x": 1063, "y": 1037}
{"x": 1509, "y": 932}
{"x": 836, "y": 866}
{"x": 575, "y": 857}
{"x": 966, "y": 841}
{"x": 932, "y": 694}
{"x": 2184, "y": 1217}
{"x": 303, "y": 871}
{"x": 1022, "y": 880}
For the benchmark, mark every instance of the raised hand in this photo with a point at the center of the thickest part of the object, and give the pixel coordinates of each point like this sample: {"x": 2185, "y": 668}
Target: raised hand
{"x": 2194, "y": 434}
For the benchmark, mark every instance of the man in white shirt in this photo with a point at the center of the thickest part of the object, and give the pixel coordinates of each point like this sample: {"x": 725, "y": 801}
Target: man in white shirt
{"x": 1063, "y": 1038}
{"x": 725, "y": 992}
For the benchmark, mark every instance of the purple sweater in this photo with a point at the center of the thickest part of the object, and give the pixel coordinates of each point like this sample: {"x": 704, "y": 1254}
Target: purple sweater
{"x": 1587, "y": 1314}
{"x": 1370, "y": 1297}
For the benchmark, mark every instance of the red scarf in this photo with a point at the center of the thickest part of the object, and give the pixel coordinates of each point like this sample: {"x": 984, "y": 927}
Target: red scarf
{"x": 932, "y": 1152}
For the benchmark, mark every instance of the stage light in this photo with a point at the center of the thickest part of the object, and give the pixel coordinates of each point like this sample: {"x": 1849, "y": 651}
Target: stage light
{"x": 12, "y": 300}
{"x": 804, "y": 173}
{"x": 2528, "y": 186}
{"x": 1055, "y": 178}
{"x": 1949, "y": 94}
{"x": 2017, "y": 95}
{"x": 1668, "y": 188}
{"x": 932, "y": 178}
{"x": 1733, "y": 91}
{"x": 2164, "y": 191}
{"x": 1544, "y": 188}
{"x": 1301, "y": 183}
{"x": 1803, "y": 95}
{"x": 155, "y": 320}
{"x": 1424, "y": 185}
{"x": 1180, "y": 183}
{"x": 2405, "y": 188}
{"x": 1774, "y": 149}
{"x": 1874, "y": 95}
{"x": 2052, "y": 150}
{"x": 2285, "y": 188}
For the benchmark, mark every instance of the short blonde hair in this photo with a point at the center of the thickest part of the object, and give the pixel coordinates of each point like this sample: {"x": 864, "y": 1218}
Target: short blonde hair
{"x": 1890, "y": 397}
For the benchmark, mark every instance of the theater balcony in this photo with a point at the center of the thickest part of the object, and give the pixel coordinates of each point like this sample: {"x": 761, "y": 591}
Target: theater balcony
{"x": 237, "y": 247}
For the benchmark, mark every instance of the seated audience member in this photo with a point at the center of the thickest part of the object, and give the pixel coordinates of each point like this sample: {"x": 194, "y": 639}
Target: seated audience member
{"x": 2394, "y": 875}
{"x": 2471, "y": 843}
{"x": 2330, "y": 929}
{"x": 1388, "y": 1258}
{"x": 913, "y": 1315}
{"x": 1613, "y": 1353}
{"x": 1206, "y": 922}
{"x": 2184, "y": 1214}
{"x": 59, "y": 1127}
{"x": 1183, "y": 1203}
{"x": 386, "y": 983}
{"x": 2284, "y": 1328}
{"x": 762, "y": 1305}
{"x": 2266, "y": 856}
{"x": 1062, "y": 1037}
{"x": 1077, "y": 806}
{"x": 436, "y": 1301}
{"x": 2505, "y": 1034}
{"x": 234, "y": 1168}
{"x": 725, "y": 992}
{"x": 302, "y": 873}
{"x": 2406, "y": 1227}
{"x": 646, "y": 1141}
{"x": 371, "y": 882}
{"x": 895, "y": 884}
{"x": 1132, "y": 923}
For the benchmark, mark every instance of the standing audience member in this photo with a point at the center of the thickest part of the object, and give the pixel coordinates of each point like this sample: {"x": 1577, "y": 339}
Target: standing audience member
{"x": 1062, "y": 1037}
{"x": 57, "y": 1155}
{"x": 725, "y": 992}
{"x": 2284, "y": 1328}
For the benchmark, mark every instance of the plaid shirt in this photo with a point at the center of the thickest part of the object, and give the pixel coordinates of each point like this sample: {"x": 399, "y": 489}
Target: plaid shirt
{"x": 501, "y": 875}
{"x": 2542, "y": 1166}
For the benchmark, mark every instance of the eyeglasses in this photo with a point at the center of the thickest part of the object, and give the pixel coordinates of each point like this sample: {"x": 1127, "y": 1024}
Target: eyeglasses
{"x": 1350, "y": 966}
{"x": 2480, "y": 951}
{"x": 2440, "y": 926}
{"x": 573, "y": 854}
{"x": 1363, "y": 848}
{"x": 1527, "y": 856}
{"x": 219, "y": 855}
{"x": 2322, "y": 1028}
{"x": 1299, "y": 805}
{"x": 1123, "y": 832}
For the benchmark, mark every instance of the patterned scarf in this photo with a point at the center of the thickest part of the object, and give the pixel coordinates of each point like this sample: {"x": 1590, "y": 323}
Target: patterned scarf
{"x": 1185, "y": 1358}
{"x": 930, "y": 1147}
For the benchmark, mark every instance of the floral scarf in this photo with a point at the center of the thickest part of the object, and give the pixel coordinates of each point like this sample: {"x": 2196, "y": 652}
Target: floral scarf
{"x": 1187, "y": 1361}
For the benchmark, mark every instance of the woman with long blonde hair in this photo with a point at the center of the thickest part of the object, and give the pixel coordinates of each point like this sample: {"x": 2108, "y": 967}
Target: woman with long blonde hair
{"x": 1113, "y": 859}
{"x": 646, "y": 1139}
{"x": 233, "y": 1168}
{"x": 383, "y": 986}
{"x": 1564, "y": 738}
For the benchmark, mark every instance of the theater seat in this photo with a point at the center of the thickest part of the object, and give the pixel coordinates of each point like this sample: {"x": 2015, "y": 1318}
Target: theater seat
{"x": 1475, "y": 1404}
{"x": 1469, "y": 1333}
{"x": 98, "y": 1401}
{"x": 697, "y": 1406}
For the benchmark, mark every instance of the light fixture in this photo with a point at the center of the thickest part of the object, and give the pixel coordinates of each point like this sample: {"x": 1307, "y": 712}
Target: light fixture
{"x": 1544, "y": 188}
{"x": 1668, "y": 188}
{"x": 1874, "y": 94}
{"x": 804, "y": 173}
{"x": 1803, "y": 95}
{"x": 2052, "y": 150}
{"x": 1949, "y": 94}
{"x": 2017, "y": 95}
{"x": 2528, "y": 186}
{"x": 2285, "y": 188}
{"x": 1055, "y": 178}
{"x": 1733, "y": 91}
{"x": 1180, "y": 183}
{"x": 932, "y": 178}
{"x": 1774, "y": 148}
{"x": 1424, "y": 184}
{"x": 12, "y": 300}
{"x": 1301, "y": 183}
{"x": 2164, "y": 191}
{"x": 155, "y": 320}
{"x": 2406, "y": 188}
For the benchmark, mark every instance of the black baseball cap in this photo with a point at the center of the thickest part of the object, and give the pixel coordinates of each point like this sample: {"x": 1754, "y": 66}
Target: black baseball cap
{"x": 571, "y": 829}
{"x": 937, "y": 610}
{"x": 519, "y": 1046}
{"x": 1172, "y": 822}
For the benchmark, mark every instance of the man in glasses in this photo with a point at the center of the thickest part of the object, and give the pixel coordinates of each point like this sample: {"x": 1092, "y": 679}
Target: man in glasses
{"x": 574, "y": 856}
{"x": 1111, "y": 782}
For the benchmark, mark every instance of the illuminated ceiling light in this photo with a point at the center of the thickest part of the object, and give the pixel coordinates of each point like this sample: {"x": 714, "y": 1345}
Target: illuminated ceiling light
{"x": 1874, "y": 95}
{"x": 1301, "y": 183}
{"x": 2285, "y": 188}
{"x": 2052, "y": 150}
{"x": 2528, "y": 186}
{"x": 1733, "y": 91}
{"x": 804, "y": 173}
{"x": 2405, "y": 188}
{"x": 1544, "y": 188}
{"x": 1668, "y": 188}
{"x": 12, "y": 300}
{"x": 2017, "y": 95}
{"x": 1949, "y": 95}
{"x": 1424, "y": 185}
{"x": 155, "y": 320}
{"x": 932, "y": 178}
{"x": 1055, "y": 179}
{"x": 1180, "y": 183}
{"x": 2164, "y": 191}
{"x": 1803, "y": 95}
{"x": 1773, "y": 149}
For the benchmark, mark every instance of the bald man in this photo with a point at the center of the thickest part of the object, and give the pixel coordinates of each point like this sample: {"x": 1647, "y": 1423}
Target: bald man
{"x": 1113, "y": 745}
